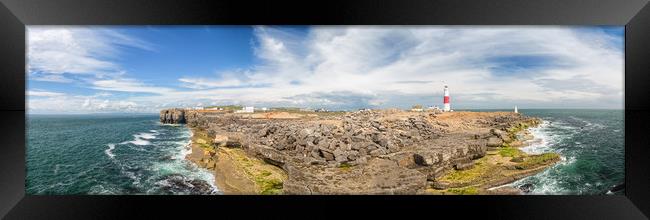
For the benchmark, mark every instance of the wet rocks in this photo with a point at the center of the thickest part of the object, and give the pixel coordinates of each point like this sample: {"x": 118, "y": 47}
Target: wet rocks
{"x": 505, "y": 190}
{"x": 527, "y": 187}
{"x": 179, "y": 184}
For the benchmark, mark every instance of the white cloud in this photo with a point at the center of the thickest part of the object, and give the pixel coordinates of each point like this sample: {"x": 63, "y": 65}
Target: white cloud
{"x": 50, "y": 78}
{"x": 82, "y": 104}
{"x": 44, "y": 93}
{"x": 75, "y": 50}
{"x": 128, "y": 85}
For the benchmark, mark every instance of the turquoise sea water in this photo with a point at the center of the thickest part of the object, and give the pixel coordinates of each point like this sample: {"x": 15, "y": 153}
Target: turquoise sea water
{"x": 135, "y": 154}
{"x": 110, "y": 154}
{"x": 591, "y": 144}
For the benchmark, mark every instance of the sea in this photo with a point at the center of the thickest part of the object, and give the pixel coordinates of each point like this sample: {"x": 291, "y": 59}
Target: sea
{"x": 591, "y": 144}
{"x": 120, "y": 154}
{"x": 114, "y": 154}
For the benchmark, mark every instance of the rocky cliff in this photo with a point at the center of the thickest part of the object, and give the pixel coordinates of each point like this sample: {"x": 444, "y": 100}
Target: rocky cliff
{"x": 172, "y": 116}
{"x": 364, "y": 152}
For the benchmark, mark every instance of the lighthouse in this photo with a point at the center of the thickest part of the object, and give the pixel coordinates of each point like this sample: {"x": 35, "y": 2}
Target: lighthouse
{"x": 446, "y": 107}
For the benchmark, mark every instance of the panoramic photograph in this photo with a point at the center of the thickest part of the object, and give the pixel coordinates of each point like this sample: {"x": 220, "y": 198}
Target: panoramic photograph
{"x": 325, "y": 110}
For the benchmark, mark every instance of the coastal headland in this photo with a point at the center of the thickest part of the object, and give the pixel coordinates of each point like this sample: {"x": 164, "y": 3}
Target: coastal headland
{"x": 364, "y": 152}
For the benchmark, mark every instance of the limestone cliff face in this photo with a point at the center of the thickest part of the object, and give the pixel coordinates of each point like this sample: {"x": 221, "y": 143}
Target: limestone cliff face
{"x": 365, "y": 152}
{"x": 172, "y": 116}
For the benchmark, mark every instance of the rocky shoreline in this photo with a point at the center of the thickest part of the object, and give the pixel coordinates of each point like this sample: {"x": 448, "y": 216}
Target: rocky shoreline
{"x": 363, "y": 152}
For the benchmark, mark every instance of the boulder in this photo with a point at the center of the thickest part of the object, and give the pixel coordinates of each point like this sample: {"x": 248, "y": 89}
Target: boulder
{"x": 464, "y": 166}
{"x": 220, "y": 140}
{"x": 494, "y": 142}
{"x": 340, "y": 155}
{"x": 527, "y": 187}
{"x": 377, "y": 152}
{"x": 327, "y": 155}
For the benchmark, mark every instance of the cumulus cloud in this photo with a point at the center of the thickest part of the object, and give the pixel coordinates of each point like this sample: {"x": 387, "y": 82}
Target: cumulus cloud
{"x": 128, "y": 85}
{"x": 76, "y": 50}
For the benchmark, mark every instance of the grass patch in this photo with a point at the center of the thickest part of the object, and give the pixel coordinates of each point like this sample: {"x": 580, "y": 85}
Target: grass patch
{"x": 480, "y": 168}
{"x": 510, "y": 152}
{"x": 345, "y": 166}
{"x": 200, "y": 138}
{"x": 464, "y": 191}
{"x": 536, "y": 160}
{"x": 270, "y": 186}
{"x": 261, "y": 173}
{"x": 265, "y": 173}
{"x": 226, "y": 107}
{"x": 206, "y": 146}
{"x": 513, "y": 130}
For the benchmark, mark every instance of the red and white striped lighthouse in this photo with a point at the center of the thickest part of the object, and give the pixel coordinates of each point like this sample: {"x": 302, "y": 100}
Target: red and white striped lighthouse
{"x": 447, "y": 106}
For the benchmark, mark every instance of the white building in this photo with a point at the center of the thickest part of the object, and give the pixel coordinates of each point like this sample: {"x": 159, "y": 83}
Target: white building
{"x": 247, "y": 109}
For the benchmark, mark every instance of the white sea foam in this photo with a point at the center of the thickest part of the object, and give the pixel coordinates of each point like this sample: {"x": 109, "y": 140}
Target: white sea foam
{"x": 179, "y": 165}
{"x": 141, "y": 139}
{"x": 131, "y": 175}
{"x": 145, "y": 135}
{"x": 541, "y": 141}
{"x": 109, "y": 151}
{"x": 546, "y": 136}
{"x": 104, "y": 189}
{"x": 548, "y": 182}
{"x": 588, "y": 124}
{"x": 171, "y": 125}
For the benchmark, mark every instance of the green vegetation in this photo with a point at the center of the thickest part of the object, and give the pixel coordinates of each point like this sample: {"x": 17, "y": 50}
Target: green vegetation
{"x": 536, "y": 160}
{"x": 260, "y": 172}
{"x": 464, "y": 191}
{"x": 512, "y": 131}
{"x": 510, "y": 152}
{"x": 518, "y": 159}
{"x": 265, "y": 173}
{"x": 481, "y": 167}
{"x": 269, "y": 186}
{"x": 345, "y": 166}
{"x": 226, "y": 107}
{"x": 201, "y": 138}
{"x": 286, "y": 109}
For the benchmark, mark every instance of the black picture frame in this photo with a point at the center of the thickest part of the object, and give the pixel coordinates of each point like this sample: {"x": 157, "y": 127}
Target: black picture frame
{"x": 634, "y": 14}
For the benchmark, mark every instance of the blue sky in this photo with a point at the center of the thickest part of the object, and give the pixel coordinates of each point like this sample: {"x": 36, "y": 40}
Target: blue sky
{"x": 89, "y": 69}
